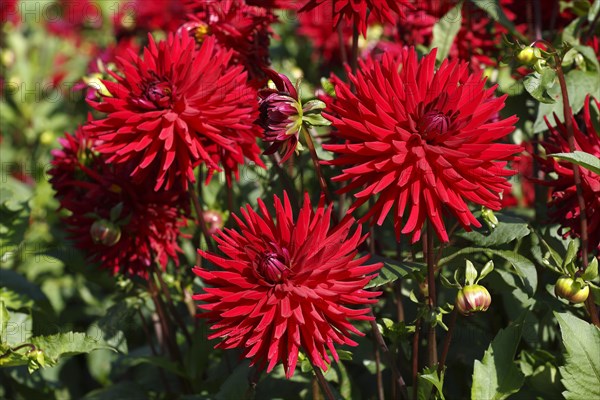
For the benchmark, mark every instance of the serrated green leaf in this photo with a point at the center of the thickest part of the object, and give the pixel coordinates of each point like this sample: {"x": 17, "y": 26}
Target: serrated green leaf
{"x": 428, "y": 379}
{"x": 67, "y": 344}
{"x": 391, "y": 272}
{"x": 507, "y": 230}
{"x": 581, "y": 373}
{"x": 583, "y": 159}
{"x": 445, "y": 30}
{"x": 497, "y": 376}
{"x": 537, "y": 85}
{"x": 579, "y": 85}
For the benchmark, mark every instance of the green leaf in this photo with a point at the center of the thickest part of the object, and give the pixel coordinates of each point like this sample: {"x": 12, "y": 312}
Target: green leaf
{"x": 428, "y": 379}
{"x": 497, "y": 376}
{"x": 591, "y": 272}
{"x": 67, "y": 344}
{"x": 579, "y": 85}
{"x": 523, "y": 266}
{"x": 160, "y": 362}
{"x": 391, "y": 272}
{"x": 571, "y": 253}
{"x": 583, "y": 159}
{"x": 507, "y": 230}
{"x": 445, "y": 30}
{"x": 537, "y": 85}
{"x": 581, "y": 372}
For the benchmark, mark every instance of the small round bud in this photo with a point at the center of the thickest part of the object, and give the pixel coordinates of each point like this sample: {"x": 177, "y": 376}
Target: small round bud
{"x": 105, "y": 232}
{"x": 472, "y": 299}
{"x": 527, "y": 55}
{"x": 572, "y": 290}
{"x": 214, "y": 221}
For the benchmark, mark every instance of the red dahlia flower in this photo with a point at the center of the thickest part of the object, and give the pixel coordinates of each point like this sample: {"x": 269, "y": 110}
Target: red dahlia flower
{"x": 243, "y": 29}
{"x": 124, "y": 226}
{"x": 355, "y": 11}
{"x": 286, "y": 286}
{"x": 143, "y": 16}
{"x": 564, "y": 207}
{"x": 421, "y": 140}
{"x": 175, "y": 108}
{"x": 316, "y": 25}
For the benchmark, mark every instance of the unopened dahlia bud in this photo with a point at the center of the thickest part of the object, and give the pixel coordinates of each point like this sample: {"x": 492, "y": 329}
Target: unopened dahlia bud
{"x": 282, "y": 115}
{"x": 213, "y": 220}
{"x": 575, "y": 291}
{"x": 472, "y": 299}
{"x": 105, "y": 232}
{"x": 529, "y": 55}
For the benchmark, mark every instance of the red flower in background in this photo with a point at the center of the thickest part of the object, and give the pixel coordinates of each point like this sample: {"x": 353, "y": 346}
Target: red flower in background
{"x": 316, "y": 25}
{"x": 144, "y": 16}
{"x": 285, "y": 285}
{"x": 564, "y": 207}
{"x": 148, "y": 222}
{"x": 70, "y": 17}
{"x": 238, "y": 27}
{"x": 421, "y": 140}
{"x": 175, "y": 108}
{"x": 355, "y": 11}
{"x": 523, "y": 193}
{"x": 275, "y": 4}
{"x": 9, "y": 12}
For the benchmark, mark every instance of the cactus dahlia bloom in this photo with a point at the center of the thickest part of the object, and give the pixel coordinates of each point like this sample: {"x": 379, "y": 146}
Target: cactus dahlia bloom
{"x": 357, "y": 11}
{"x": 175, "y": 108}
{"x": 564, "y": 206}
{"x": 125, "y": 227}
{"x": 236, "y": 26}
{"x": 420, "y": 142}
{"x": 285, "y": 284}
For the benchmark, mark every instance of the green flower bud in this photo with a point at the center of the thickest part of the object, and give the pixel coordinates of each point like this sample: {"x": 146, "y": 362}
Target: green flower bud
{"x": 572, "y": 290}
{"x": 472, "y": 299}
{"x": 105, "y": 232}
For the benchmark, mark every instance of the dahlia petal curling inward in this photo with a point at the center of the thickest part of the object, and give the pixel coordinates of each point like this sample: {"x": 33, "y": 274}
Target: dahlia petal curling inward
{"x": 285, "y": 285}
{"x": 420, "y": 141}
{"x": 564, "y": 206}
{"x": 175, "y": 108}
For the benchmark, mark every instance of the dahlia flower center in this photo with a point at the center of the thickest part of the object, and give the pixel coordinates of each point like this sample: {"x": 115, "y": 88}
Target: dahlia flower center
{"x": 159, "y": 93}
{"x": 201, "y": 31}
{"x": 273, "y": 266}
{"x": 433, "y": 123}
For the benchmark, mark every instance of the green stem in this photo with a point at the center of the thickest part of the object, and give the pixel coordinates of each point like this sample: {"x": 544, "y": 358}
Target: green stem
{"x": 315, "y": 159}
{"x": 322, "y": 382}
{"x": 431, "y": 295}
